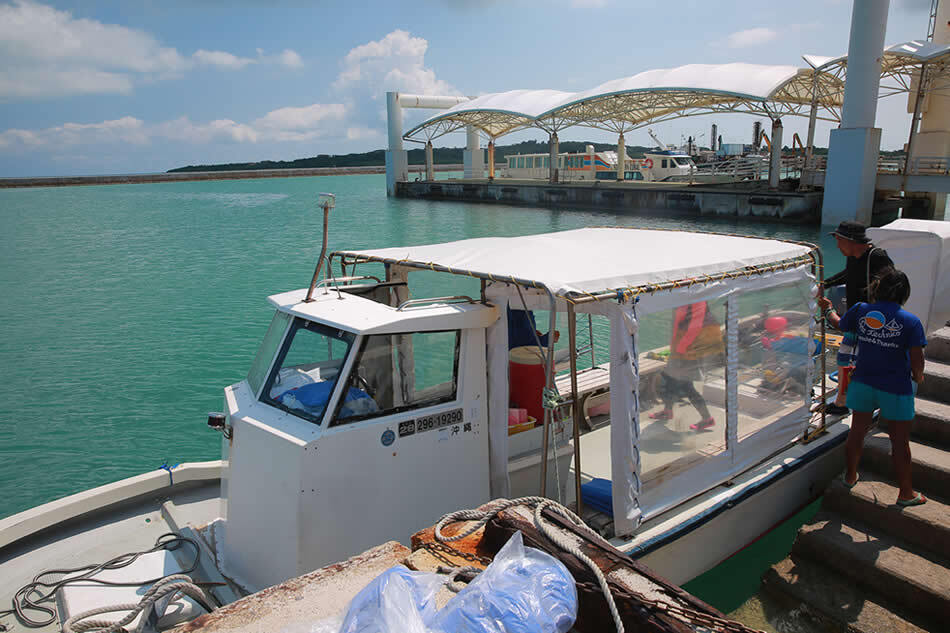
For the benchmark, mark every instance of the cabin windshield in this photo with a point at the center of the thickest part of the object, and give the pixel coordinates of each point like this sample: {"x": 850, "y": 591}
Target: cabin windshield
{"x": 306, "y": 369}
{"x": 399, "y": 372}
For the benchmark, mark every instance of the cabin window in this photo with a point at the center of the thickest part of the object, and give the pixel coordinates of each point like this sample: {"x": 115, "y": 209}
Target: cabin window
{"x": 400, "y": 372}
{"x": 529, "y": 162}
{"x": 511, "y": 163}
{"x": 307, "y": 369}
{"x": 664, "y": 164}
{"x": 266, "y": 351}
{"x": 521, "y": 162}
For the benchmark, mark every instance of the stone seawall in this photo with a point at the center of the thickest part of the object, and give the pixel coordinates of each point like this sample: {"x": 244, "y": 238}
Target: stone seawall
{"x": 71, "y": 181}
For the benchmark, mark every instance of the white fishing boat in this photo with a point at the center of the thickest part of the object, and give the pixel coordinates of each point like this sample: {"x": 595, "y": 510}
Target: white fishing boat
{"x": 370, "y": 410}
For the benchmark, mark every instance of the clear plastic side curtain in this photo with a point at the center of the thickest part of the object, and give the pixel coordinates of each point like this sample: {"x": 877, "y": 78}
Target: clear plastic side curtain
{"x": 624, "y": 418}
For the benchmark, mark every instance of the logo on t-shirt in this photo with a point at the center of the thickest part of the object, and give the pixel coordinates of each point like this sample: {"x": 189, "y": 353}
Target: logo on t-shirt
{"x": 874, "y": 320}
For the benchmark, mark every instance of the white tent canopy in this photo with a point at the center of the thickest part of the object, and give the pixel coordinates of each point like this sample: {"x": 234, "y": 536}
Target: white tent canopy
{"x": 921, "y": 248}
{"x": 649, "y": 96}
{"x": 595, "y": 260}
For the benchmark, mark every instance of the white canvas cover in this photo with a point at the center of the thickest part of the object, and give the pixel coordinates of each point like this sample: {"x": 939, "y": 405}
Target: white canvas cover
{"x": 921, "y": 248}
{"x": 594, "y": 260}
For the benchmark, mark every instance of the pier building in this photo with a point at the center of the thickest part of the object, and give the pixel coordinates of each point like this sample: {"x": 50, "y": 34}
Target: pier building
{"x": 843, "y": 90}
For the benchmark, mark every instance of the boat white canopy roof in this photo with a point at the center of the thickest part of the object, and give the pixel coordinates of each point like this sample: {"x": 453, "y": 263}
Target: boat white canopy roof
{"x": 651, "y": 96}
{"x": 591, "y": 261}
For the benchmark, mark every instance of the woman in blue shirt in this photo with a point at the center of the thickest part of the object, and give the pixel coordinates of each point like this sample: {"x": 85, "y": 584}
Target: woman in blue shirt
{"x": 890, "y": 360}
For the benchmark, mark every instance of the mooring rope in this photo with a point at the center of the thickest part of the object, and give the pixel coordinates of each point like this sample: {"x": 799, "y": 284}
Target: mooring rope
{"x": 174, "y": 584}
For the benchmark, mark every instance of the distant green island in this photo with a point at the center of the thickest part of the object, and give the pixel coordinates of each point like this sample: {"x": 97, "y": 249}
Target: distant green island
{"x": 440, "y": 156}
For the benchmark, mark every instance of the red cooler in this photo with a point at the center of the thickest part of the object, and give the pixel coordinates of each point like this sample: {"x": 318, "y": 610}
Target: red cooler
{"x": 526, "y": 380}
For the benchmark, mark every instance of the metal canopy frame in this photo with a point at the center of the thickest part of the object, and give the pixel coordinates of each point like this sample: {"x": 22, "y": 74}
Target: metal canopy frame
{"x": 623, "y": 110}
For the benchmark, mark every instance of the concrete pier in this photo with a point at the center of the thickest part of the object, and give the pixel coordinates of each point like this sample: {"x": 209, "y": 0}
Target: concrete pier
{"x": 749, "y": 199}
{"x": 865, "y": 563}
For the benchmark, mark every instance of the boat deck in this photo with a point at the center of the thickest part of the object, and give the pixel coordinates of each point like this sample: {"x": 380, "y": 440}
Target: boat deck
{"x": 102, "y": 535}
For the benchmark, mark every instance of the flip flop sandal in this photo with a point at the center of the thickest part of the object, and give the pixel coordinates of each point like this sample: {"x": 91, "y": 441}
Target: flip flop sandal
{"x": 850, "y": 486}
{"x": 917, "y": 500}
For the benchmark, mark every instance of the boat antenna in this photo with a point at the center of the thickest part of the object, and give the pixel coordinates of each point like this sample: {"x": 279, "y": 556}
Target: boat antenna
{"x": 327, "y": 201}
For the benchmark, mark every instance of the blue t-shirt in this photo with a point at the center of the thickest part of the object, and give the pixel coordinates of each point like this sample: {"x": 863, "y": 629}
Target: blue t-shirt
{"x": 522, "y": 329}
{"x": 886, "y": 332}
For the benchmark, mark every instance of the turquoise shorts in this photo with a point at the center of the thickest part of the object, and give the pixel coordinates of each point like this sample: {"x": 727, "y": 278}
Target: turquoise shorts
{"x": 898, "y": 407}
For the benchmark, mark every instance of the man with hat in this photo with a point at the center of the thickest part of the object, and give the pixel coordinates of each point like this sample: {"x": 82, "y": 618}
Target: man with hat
{"x": 863, "y": 262}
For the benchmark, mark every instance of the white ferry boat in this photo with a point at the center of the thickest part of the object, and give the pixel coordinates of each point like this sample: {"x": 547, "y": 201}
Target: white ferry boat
{"x": 370, "y": 411}
{"x": 657, "y": 165}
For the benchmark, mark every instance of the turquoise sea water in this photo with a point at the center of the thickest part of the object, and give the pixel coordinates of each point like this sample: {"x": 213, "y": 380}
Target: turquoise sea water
{"x": 125, "y": 309}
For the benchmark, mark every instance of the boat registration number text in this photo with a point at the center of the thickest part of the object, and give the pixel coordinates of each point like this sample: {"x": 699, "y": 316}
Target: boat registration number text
{"x": 430, "y": 422}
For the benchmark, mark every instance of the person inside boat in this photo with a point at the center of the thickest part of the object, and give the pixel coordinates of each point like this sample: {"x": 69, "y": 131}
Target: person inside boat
{"x": 864, "y": 262}
{"x": 523, "y": 330}
{"x": 696, "y": 342}
{"x": 890, "y": 365}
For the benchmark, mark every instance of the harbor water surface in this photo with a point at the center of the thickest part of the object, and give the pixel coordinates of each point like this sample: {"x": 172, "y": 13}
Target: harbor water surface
{"x": 127, "y": 308}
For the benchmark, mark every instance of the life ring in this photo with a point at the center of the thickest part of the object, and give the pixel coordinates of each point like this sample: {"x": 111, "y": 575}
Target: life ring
{"x": 648, "y": 163}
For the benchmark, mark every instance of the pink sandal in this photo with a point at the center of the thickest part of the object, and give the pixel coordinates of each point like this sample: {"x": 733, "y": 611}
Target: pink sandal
{"x": 665, "y": 414}
{"x": 702, "y": 425}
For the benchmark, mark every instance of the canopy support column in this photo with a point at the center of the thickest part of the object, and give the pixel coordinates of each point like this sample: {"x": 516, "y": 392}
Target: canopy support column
{"x": 854, "y": 148}
{"x": 621, "y": 157}
{"x": 491, "y": 159}
{"x": 912, "y": 136}
{"x": 775, "y": 161}
{"x": 553, "y": 148}
{"x": 397, "y": 163}
{"x": 472, "y": 157}
{"x": 812, "y": 119}
{"x": 430, "y": 168}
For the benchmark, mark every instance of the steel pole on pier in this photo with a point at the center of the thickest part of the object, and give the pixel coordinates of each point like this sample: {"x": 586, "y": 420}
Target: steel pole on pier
{"x": 621, "y": 157}
{"x": 553, "y": 149}
{"x": 430, "y": 168}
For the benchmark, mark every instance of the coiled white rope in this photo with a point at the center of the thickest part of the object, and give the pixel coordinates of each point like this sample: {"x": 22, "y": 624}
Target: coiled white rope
{"x": 174, "y": 584}
{"x": 481, "y": 517}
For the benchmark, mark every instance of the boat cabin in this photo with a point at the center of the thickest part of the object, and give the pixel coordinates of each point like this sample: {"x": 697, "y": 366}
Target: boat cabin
{"x": 370, "y": 410}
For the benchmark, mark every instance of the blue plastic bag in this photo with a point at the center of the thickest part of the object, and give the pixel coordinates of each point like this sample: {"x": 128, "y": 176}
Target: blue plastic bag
{"x": 523, "y": 590}
{"x": 398, "y": 600}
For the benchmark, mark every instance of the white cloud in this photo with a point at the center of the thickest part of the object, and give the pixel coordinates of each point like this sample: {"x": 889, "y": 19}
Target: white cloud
{"x": 750, "y": 37}
{"x": 220, "y": 59}
{"x": 290, "y": 59}
{"x": 125, "y": 130}
{"x": 395, "y": 62}
{"x": 47, "y": 52}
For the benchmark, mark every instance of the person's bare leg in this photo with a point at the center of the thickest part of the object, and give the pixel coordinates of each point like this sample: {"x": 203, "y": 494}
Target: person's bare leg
{"x": 860, "y": 423}
{"x": 900, "y": 457}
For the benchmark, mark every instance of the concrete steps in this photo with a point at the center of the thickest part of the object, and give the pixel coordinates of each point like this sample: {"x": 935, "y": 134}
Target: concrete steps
{"x": 881, "y": 564}
{"x": 932, "y": 423}
{"x": 936, "y": 384}
{"x": 848, "y": 605}
{"x": 938, "y": 345}
{"x": 931, "y": 465}
{"x": 925, "y": 526}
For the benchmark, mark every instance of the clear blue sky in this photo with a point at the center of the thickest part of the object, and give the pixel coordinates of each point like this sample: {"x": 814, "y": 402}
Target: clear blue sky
{"x": 98, "y": 87}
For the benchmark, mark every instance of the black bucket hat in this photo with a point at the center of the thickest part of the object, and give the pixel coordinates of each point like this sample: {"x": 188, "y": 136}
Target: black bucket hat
{"x": 851, "y": 230}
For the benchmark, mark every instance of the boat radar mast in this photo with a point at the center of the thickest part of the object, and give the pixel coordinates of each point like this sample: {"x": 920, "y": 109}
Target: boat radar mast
{"x": 326, "y": 201}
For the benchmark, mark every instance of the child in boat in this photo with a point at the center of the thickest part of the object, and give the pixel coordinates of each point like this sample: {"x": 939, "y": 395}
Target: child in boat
{"x": 695, "y": 342}
{"x": 890, "y": 361}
